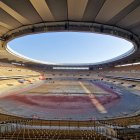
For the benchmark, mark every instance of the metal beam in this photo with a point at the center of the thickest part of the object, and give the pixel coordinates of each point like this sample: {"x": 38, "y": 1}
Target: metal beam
{"x": 76, "y": 9}
{"x": 110, "y": 9}
{"x": 42, "y": 9}
{"x": 131, "y": 19}
{"x": 14, "y": 14}
{"x": 5, "y": 25}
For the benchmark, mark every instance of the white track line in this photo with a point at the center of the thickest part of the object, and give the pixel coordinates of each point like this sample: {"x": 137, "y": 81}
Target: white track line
{"x": 93, "y": 99}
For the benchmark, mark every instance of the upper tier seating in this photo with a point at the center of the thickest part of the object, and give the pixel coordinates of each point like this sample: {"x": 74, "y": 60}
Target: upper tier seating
{"x": 125, "y": 71}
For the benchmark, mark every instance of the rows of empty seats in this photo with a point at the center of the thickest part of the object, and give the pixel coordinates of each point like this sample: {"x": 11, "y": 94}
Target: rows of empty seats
{"x": 122, "y": 122}
{"x": 9, "y": 75}
{"x": 52, "y": 134}
{"x": 125, "y": 71}
{"x": 29, "y": 133}
{"x": 128, "y": 134}
{"x": 27, "y": 128}
{"x": 16, "y": 71}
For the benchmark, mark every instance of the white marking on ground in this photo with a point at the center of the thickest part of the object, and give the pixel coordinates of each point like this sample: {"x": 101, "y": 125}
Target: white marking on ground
{"x": 93, "y": 99}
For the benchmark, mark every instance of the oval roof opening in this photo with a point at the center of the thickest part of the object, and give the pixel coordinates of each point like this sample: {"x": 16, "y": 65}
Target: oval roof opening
{"x": 69, "y": 47}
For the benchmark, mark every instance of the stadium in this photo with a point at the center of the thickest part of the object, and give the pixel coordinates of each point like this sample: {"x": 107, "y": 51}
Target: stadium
{"x": 69, "y": 101}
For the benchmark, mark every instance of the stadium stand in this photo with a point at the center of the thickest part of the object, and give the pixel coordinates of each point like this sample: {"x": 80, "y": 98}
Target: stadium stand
{"x": 13, "y": 127}
{"x": 118, "y": 18}
{"x": 12, "y": 76}
{"x": 126, "y": 76}
{"x": 124, "y": 72}
{"x": 16, "y": 127}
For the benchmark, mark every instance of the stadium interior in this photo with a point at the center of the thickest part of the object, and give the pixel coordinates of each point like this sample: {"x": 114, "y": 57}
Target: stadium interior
{"x": 70, "y": 102}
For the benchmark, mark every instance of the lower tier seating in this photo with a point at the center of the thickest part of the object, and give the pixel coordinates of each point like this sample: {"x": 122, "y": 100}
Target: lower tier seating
{"x": 45, "y": 134}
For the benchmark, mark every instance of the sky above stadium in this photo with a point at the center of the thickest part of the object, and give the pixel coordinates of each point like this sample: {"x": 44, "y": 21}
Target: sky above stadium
{"x": 70, "y": 47}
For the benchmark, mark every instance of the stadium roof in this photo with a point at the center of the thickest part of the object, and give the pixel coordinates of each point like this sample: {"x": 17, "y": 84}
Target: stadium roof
{"x": 115, "y": 17}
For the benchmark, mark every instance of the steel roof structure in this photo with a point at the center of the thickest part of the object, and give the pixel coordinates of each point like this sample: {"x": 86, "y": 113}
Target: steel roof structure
{"x": 115, "y": 17}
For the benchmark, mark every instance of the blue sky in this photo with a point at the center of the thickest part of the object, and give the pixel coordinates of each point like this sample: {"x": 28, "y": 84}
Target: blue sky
{"x": 70, "y": 47}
